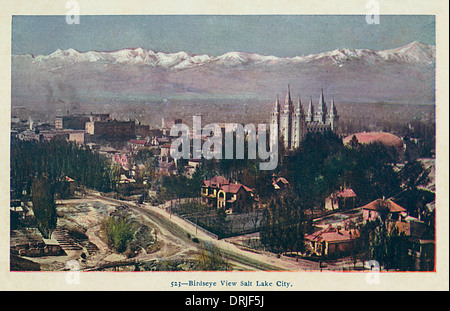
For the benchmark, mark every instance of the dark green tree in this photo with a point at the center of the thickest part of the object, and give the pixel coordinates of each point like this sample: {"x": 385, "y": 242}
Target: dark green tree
{"x": 283, "y": 224}
{"x": 44, "y": 207}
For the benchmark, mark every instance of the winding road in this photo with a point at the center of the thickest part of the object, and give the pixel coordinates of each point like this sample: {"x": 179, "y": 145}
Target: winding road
{"x": 176, "y": 236}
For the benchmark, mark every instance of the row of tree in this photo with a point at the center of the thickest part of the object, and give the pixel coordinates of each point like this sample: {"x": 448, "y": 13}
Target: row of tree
{"x": 283, "y": 224}
{"x": 56, "y": 160}
{"x": 38, "y": 170}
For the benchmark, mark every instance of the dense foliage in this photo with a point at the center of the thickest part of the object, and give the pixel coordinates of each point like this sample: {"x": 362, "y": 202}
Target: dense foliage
{"x": 283, "y": 224}
{"x": 319, "y": 167}
{"x": 56, "y": 160}
{"x": 118, "y": 233}
{"x": 323, "y": 164}
{"x": 211, "y": 259}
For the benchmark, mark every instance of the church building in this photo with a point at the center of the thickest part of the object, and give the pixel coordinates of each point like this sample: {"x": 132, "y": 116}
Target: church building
{"x": 293, "y": 123}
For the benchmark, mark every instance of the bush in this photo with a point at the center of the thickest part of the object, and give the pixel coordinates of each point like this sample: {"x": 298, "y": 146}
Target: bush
{"x": 210, "y": 259}
{"x": 118, "y": 233}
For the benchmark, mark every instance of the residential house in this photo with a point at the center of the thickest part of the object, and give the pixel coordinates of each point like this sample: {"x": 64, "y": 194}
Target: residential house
{"x": 379, "y": 207}
{"x": 167, "y": 167}
{"x": 121, "y": 158}
{"x": 219, "y": 192}
{"x": 332, "y": 241}
{"x": 136, "y": 144}
{"x": 279, "y": 183}
{"x": 165, "y": 151}
{"x": 419, "y": 238}
{"x": 192, "y": 166}
{"x": 72, "y": 185}
{"x": 340, "y": 200}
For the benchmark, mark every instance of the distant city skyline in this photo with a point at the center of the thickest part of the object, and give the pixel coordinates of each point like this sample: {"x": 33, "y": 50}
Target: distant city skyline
{"x": 277, "y": 35}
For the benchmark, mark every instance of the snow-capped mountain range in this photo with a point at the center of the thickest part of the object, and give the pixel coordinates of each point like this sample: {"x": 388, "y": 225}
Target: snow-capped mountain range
{"x": 414, "y": 52}
{"x": 148, "y": 80}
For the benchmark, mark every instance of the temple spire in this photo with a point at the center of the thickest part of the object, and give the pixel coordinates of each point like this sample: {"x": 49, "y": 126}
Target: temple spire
{"x": 322, "y": 106}
{"x": 276, "y": 106}
{"x": 333, "y": 111}
{"x": 311, "y": 110}
{"x": 299, "y": 106}
{"x": 288, "y": 104}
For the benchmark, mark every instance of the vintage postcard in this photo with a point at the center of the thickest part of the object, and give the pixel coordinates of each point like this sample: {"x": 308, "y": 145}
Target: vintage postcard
{"x": 200, "y": 147}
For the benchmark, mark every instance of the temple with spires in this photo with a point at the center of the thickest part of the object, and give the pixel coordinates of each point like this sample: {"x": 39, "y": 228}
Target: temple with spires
{"x": 293, "y": 123}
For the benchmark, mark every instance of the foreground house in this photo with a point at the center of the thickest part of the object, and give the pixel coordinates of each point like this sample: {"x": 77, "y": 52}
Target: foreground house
{"x": 232, "y": 197}
{"x": 332, "y": 241}
{"x": 379, "y": 207}
{"x": 417, "y": 236}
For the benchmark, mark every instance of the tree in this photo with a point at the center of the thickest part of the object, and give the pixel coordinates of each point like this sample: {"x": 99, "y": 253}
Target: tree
{"x": 211, "y": 259}
{"x": 44, "y": 207}
{"x": 388, "y": 248}
{"x": 283, "y": 225}
{"x": 196, "y": 181}
{"x": 118, "y": 233}
{"x": 57, "y": 159}
{"x": 354, "y": 143}
{"x": 413, "y": 175}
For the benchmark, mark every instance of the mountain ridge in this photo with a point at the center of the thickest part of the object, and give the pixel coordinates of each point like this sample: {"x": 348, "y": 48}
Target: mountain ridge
{"x": 129, "y": 76}
{"x": 414, "y": 52}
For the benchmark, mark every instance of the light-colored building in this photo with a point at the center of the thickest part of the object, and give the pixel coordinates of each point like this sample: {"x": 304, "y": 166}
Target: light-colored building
{"x": 219, "y": 192}
{"x": 136, "y": 144}
{"x": 293, "y": 123}
{"x": 341, "y": 199}
{"x": 80, "y": 136}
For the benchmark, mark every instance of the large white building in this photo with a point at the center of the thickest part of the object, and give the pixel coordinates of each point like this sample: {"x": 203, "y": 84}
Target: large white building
{"x": 293, "y": 123}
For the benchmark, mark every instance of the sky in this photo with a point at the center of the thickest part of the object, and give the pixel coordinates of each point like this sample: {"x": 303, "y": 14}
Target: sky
{"x": 278, "y": 35}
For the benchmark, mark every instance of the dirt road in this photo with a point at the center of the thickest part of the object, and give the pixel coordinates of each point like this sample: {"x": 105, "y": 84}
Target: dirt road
{"x": 173, "y": 232}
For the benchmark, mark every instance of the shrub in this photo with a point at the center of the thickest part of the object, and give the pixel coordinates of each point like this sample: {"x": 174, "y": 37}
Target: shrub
{"x": 118, "y": 233}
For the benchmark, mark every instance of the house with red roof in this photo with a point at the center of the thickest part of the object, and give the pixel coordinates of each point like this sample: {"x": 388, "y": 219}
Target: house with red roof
{"x": 219, "y": 192}
{"x": 340, "y": 200}
{"x": 376, "y": 208}
{"x": 332, "y": 241}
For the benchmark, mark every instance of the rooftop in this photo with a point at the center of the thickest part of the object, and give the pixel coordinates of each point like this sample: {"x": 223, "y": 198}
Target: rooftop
{"x": 374, "y": 137}
{"x": 137, "y": 141}
{"x": 221, "y": 182}
{"x": 379, "y": 203}
{"x": 333, "y": 235}
{"x": 346, "y": 193}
